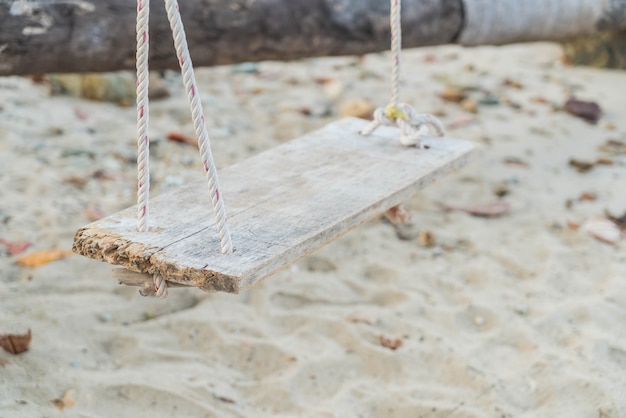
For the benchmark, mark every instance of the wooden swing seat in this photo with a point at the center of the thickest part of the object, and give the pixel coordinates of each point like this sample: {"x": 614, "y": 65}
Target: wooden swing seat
{"x": 282, "y": 204}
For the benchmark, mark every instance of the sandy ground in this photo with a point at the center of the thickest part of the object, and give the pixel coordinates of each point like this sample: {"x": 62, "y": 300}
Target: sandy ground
{"x": 515, "y": 316}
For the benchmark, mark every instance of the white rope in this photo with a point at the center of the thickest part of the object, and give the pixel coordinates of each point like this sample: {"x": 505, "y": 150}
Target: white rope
{"x": 189, "y": 79}
{"x": 143, "y": 149}
{"x": 160, "y": 287}
{"x": 413, "y": 126}
{"x": 395, "y": 16}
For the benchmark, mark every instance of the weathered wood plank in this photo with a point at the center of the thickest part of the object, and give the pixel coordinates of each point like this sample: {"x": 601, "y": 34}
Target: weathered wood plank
{"x": 282, "y": 204}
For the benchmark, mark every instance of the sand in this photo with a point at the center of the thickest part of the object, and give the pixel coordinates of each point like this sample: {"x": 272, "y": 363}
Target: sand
{"x": 515, "y": 316}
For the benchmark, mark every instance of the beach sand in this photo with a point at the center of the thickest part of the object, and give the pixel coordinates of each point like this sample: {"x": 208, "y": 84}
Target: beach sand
{"x": 520, "y": 315}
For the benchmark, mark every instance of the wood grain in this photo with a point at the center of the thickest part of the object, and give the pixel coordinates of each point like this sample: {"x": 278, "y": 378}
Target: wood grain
{"x": 282, "y": 204}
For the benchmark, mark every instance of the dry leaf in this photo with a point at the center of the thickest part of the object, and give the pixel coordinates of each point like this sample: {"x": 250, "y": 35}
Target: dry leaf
{"x": 613, "y": 146}
{"x": 602, "y": 229}
{"x": 515, "y": 161}
{"x": 185, "y": 139}
{"x": 426, "y": 238}
{"x": 604, "y": 161}
{"x": 469, "y": 105}
{"x": 452, "y": 94}
{"x": 539, "y": 99}
{"x": 15, "y": 343}
{"x": 323, "y": 80}
{"x": 398, "y": 215}
{"x": 589, "y": 111}
{"x": 58, "y": 403}
{"x": 359, "y": 108}
{"x": 512, "y": 83}
{"x": 67, "y": 401}
{"x": 581, "y": 166}
{"x": 15, "y": 248}
{"x": 93, "y": 213}
{"x": 487, "y": 209}
{"x": 102, "y": 174}
{"x": 587, "y": 196}
{"x": 501, "y": 190}
{"x": 390, "y": 343}
{"x": 573, "y": 225}
{"x": 77, "y": 181}
{"x": 42, "y": 257}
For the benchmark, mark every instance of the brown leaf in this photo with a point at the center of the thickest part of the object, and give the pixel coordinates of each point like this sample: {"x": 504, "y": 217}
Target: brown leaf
{"x": 390, "y": 343}
{"x": 604, "y": 161}
{"x": 587, "y": 197}
{"x": 67, "y": 401}
{"x": 359, "y": 108}
{"x": 581, "y": 166}
{"x": 58, "y": 403}
{"x": 589, "y": 111}
{"x": 613, "y": 146}
{"x": 539, "y": 99}
{"x": 42, "y": 257}
{"x": 185, "y": 139}
{"x": 452, "y": 94}
{"x": 77, "y": 181}
{"x": 426, "y": 238}
{"x": 3, "y": 362}
{"x": 398, "y": 215}
{"x": 469, "y": 105}
{"x": 102, "y": 174}
{"x": 512, "y": 83}
{"x": 501, "y": 190}
{"x": 323, "y": 80}
{"x": 15, "y": 343}
{"x": 515, "y": 161}
{"x": 573, "y": 225}
{"x": 488, "y": 209}
{"x": 93, "y": 213}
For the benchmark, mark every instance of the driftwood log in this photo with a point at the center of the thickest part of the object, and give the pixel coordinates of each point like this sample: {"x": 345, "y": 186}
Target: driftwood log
{"x": 45, "y": 36}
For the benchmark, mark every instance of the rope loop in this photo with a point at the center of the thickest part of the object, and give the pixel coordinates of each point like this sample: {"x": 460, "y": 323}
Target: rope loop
{"x": 414, "y": 127}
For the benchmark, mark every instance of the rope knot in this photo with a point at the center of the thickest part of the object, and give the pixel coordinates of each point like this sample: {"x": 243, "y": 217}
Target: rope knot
{"x": 395, "y": 112}
{"x": 413, "y": 126}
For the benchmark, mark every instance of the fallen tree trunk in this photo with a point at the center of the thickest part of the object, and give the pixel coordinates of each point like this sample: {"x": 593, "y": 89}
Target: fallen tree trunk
{"x": 44, "y": 36}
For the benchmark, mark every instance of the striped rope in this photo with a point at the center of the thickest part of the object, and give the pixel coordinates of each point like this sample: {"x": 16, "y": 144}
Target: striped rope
{"x": 143, "y": 148}
{"x": 189, "y": 80}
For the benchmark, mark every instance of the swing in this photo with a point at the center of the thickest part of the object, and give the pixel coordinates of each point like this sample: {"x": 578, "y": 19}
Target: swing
{"x": 283, "y": 203}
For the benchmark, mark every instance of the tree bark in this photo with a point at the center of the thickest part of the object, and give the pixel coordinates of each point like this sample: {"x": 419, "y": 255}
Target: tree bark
{"x": 46, "y": 36}
{"x": 43, "y": 36}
